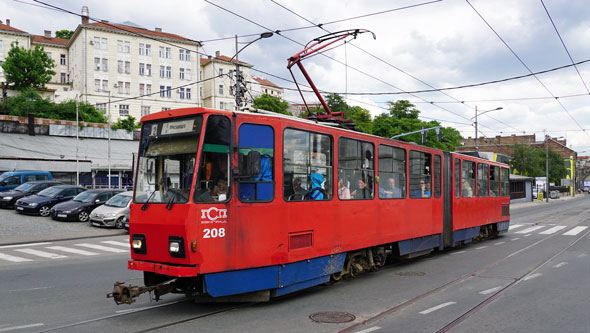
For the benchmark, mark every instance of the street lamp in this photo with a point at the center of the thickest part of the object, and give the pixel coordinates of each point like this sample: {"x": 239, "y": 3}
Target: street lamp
{"x": 108, "y": 132}
{"x": 237, "y": 92}
{"x": 476, "y": 114}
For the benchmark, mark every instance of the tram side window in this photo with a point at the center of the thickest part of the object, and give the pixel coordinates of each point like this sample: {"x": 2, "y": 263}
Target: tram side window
{"x": 213, "y": 183}
{"x": 307, "y": 166}
{"x": 392, "y": 172}
{"x": 505, "y": 180}
{"x": 256, "y": 163}
{"x": 356, "y": 169}
{"x": 437, "y": 176}
{"x": 457, "y": 178}
{"x": 420, "y": 174}
{"x": 468, "y": 179}
{"x": 494, "y": 181}
{"x": 483, "y": 171}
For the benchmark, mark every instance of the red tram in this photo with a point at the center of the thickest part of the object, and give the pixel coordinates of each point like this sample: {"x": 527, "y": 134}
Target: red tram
{"x": 252, "y": 206}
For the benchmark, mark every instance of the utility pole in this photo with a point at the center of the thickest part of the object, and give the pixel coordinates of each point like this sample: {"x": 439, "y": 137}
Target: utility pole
{"x": 476, "y": 146}
{"x": 237, "y": 85}
{"x": 77, "y": 137}
{"x": 546, "y": 167}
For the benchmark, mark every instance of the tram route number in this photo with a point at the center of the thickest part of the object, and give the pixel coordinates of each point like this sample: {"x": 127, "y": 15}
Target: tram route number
{"x": 214, "y": 233}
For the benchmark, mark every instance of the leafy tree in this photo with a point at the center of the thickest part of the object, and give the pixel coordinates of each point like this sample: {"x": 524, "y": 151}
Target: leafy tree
{"x": 128, "y": 124}
{"x": 65, "y": 34}
{"x": 27, "y": 68}
{"x": 529, "y": 161}
{"x": 361, "y": 117}
{"x": 271, "y": 103}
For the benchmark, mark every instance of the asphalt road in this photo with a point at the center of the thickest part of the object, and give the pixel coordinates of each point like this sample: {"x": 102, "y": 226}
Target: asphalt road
{"x": 534, "y": 278}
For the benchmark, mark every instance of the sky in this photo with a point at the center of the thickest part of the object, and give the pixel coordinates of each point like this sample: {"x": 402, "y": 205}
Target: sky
{"x": 420, "y": 45}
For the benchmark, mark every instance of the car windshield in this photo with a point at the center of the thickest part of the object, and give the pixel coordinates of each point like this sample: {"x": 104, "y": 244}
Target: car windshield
{"x": 119, "y": 200}
{"x": 85, "y": 197}
{"x": 25, "y": 187}
{"x": 50, "y": 192}
{"x": 167, "y": 155}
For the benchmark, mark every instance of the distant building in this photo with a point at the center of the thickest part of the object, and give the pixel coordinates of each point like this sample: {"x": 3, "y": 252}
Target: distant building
{"x": 297, "y": 109}
{"x": 262, "y": 86}
{"x": 218, "y": 89}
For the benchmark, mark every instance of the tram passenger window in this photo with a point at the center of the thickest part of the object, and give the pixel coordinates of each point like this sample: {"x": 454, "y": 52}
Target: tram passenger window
{"x": 494, "y": 181}
{"x": 468, "y": 179}
{"x": 505, "y": 180}
{"x": 483, "y": 171}
{"x": 214, "y": 168}
{"x": 307, "y": 166}
{"x": 356, "y": 169}
{"x": 392, "y": 172}
{"x": 457, "y": 178}
{"x": 256, "y": 163}
{"x": 420, "y": 174}
{"x": 437, "y": 176}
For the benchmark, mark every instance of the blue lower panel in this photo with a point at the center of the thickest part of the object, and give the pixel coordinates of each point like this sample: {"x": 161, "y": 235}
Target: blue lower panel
{"x": 503, "y": 226}
{"x": 419, "y": 244}
{"x": 465, "y": 235}
{"x": 283, "y": 278}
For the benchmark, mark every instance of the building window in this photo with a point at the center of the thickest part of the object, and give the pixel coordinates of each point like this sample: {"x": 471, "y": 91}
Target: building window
{"x": 105, "y": 85}
{"x": 120, "y": 65}
{"x": 141, "y": 49}
{"x": 181, "y": 74}
{"x": 105, "y": 65}
{"x": 104, "y": 44}
{"x": 162, "y": 91}
{"x": 145, "y": 110}
{"x": 169, "y": 91}
{"x": 142, "y": 89}
{"x": 62, "y": 59}
{"x": 420, "y": 174}
{"x": 392, "y": 172}
{"x": 188, "y": 93}
{"x": 97, "y": 64}
{"x": 187, "y": 55}
{"x": 356, "y": 168}
{"x": 128, "y": 88}
{"x": 96, "y": 43}
{"x": 169, "y": 72}
{"x": 120, "y": 46}
{"x": 120, "y": 87}
{"x": 165, "y": 108}
{"x": 201, "y": 91}
{"x": 148, "y": 50}
{"x": 148, "y": 89}
{"x": 162, "y": 71}
{"x": 148, "y": 69}
{"x": 221, "y": 106}
{"x": 127, "y": 67}
{"x": 96, "y": 85}
{"x": 221, "y": 72}
{"x": 63, "y": 78}
{"x": 221, "y": 89}
{"x": 181, "y": 55}
{"x": 141, "y": 69}
{"x": 123, "y": 109}
{"x": 181, "y": 93}
{"x": 161, "y": 52}
{"x": 187, "y": 73}
{"x": 101, "y": 107}
{"x": 167, "y": 53}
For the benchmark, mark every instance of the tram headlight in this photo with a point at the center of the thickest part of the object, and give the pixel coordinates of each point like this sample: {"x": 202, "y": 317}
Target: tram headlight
{"x": 138, "y": 244}
{"x": 176, "y": 246}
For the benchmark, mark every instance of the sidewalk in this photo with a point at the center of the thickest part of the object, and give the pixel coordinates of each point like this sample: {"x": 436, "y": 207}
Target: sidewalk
{"x": 533, "y": 203}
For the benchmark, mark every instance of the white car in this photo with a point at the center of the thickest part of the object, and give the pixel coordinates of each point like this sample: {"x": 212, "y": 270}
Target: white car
{"x": 114, "y": 212}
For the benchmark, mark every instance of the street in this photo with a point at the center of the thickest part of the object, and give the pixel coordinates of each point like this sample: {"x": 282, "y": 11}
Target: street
{"x": 531, "y": 279}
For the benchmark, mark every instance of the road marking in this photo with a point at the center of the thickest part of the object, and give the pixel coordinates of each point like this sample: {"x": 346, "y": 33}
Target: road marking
{"x": 489, "y": 291}
{"x": 370, "y": 329}
{"x": 42, "y": 254}
{"x": 13, "y": 258}
{"x": 531, "y": 229}
{"x": 438, "y": 307}
{"x": 575, "y": 231}
{"x": 532, "y": 276}
{"x": 6, "y": 329}
{"x": 514, "y": 226}
{"x": 481, "y": 247}
{"x": 582, "y": 255}
{"x": 513, "y": 239}
{"x": 561, "y": 264}
{"x": 103, "y": 248}
{"x": 527, "y": 235}
{"x": 28, "y": 289}
{"x": 458, "y": 252}
{"x": 117, "y": 243}
{"x": 553, "y": 230}
{"x": 499, "y": 243}
{"x": 71, "y": 250}
{"x": 23, "y": 245}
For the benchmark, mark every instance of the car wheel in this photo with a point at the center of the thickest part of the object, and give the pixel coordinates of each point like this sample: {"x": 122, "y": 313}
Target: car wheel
{"x": 83, "y": 216}
{"x": 44, "y": 210}
{"x": 119, "y": 222}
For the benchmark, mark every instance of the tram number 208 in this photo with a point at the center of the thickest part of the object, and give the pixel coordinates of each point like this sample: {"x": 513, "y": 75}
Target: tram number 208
{"x": 214, "y": 233}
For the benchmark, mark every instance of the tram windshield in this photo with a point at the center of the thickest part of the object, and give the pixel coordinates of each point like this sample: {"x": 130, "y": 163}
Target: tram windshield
{"x": 167, "y": 155}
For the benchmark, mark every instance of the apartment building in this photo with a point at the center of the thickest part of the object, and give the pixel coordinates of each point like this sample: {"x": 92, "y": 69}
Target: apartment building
{"x": 57, "y": 50}
{"x": 219, "y": 82}
{"x": 261, "y": 86}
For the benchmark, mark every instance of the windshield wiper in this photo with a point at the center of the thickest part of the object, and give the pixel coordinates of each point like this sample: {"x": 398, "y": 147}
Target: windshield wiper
{"x": 171, "y": 201}
{"x": 148, "y": 200}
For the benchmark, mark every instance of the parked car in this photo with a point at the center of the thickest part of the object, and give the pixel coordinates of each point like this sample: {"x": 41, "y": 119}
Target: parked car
{"x": 113, "y": 212}
{"x": 79, "y": 208}
{"x": 126, "y": 223}
{"x": 41, "y": 203}
{"x": 12, "y": 179}
{"x": 8, "y": 198}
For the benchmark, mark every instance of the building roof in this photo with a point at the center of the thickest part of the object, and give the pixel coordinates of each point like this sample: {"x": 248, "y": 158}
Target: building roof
{"x": 223, "y": 58}
{"x": 136, "y": 30}
{"x": 50, "y": 40}
{"x": 11, "y": 29}
{"x": 265, "y": 82}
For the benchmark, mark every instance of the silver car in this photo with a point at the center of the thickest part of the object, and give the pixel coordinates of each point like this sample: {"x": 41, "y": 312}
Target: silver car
{"x": 113, "y": 212}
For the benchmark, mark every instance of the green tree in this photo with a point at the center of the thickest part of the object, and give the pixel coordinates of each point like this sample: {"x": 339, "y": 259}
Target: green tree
{"x": 361, "y": 117}
{"x": 27, "y": 68}
{"x": 128, "y": 124}
{"x": 271, "y": 103}
{"x": 529, "y": 161}
{"x": 65, "y": 34}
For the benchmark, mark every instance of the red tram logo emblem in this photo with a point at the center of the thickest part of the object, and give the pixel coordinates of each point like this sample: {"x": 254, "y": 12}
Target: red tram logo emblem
{"x": 213, "y": 213}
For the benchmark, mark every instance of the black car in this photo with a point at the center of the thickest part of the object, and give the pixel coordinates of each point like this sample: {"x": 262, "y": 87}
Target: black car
{"x": 79, "y": 208}
{"x": 7, "y": 199}
{"x": 41, "y": 203}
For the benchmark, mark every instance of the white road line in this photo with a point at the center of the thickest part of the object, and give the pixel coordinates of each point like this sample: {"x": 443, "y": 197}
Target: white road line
{"x": 117, "y": 243}
{"x": 42, "y": 254}
{"x": 23, "y": 245}
{"x": 513, "y": 239}
{"x": 531, "y": 229}
{"x": 370, "y": 329}
{"x": 438, "y": 307}
{"x": 553, "y": 230}
{"x": 582, "y": 255}
{"x": 489, "y": 291}
{"x": 72, "y": 250}
{"x": 6, "y": 329}
{"x": 499, "y": 243}
{"x": 103, "y": 248}
{"x": 575, "y": 231}
{"x": 527, "y": 235}
{"x": 481, "y": 247}
{"x": 561, "y": 264}
{"x": 13, "y": 258}
{"x": 458, "y": 252}
{"x": 514, "y": 226}
{"x": 532, "y": 276}
{"x": 28, "y": 289}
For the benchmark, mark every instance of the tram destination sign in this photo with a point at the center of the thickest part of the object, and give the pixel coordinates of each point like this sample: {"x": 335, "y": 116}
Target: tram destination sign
{"x": 178, "y": 127}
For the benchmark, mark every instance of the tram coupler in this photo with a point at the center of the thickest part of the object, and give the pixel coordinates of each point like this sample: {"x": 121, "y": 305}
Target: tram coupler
{"x": 126, "y": 294}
